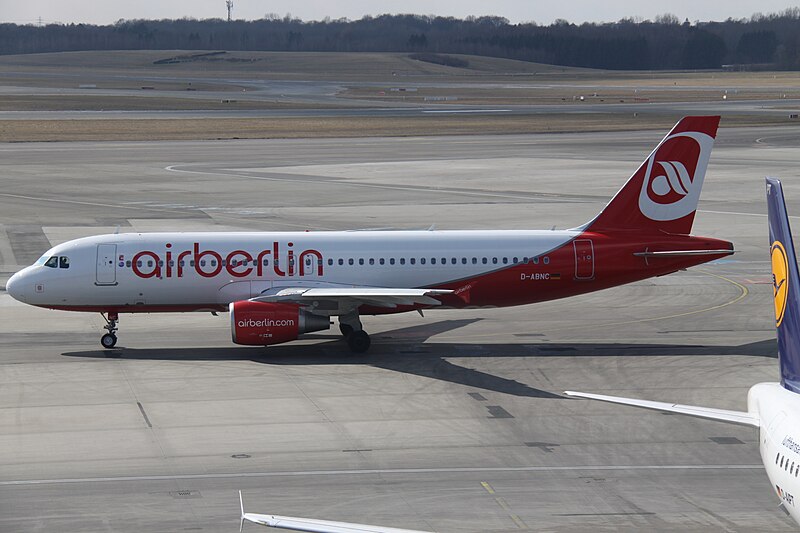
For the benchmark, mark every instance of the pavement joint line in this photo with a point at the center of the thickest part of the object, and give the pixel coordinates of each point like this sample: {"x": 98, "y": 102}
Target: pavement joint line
{"x": 427, "y": 190}
{"x": 144, "y": 415}
{"x": 182, "y": 211}
{"x": 400, "y": 471}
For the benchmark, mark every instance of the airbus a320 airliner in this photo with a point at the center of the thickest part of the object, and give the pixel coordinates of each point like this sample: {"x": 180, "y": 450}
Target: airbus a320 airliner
{"x": 278, "y": 286}
{"x": 774, "y": 408}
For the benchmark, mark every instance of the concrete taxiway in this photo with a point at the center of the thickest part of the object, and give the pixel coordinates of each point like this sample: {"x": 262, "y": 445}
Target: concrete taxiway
{"x": 453, "y": 422}
{"x": 775, "y": 108}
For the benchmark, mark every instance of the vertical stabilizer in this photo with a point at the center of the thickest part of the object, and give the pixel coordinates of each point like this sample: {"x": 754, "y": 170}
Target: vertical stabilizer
{"x": 662, "y": 194}
{"x": 785, "y": 287}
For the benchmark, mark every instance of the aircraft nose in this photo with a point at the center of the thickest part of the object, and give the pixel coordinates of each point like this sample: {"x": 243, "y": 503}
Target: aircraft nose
{"x": 15, "y": 287}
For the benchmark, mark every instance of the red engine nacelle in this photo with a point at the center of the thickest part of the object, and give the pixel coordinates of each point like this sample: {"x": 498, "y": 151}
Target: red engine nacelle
{"x": 259, "y": 324}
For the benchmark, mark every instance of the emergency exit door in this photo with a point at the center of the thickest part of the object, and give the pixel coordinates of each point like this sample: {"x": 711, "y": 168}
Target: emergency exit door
{"x": 584, "y": 258}
{"x": 106, "y": 264}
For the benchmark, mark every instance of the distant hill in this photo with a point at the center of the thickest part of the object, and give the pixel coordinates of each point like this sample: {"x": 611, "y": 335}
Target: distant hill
{"x": 283, "y": 65}
{"x": 771, "y": 41}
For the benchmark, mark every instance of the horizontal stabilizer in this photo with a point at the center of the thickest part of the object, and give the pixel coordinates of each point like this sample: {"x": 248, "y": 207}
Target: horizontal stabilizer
{"x": 683, "y": 253}
{"x": 733, "y": 417}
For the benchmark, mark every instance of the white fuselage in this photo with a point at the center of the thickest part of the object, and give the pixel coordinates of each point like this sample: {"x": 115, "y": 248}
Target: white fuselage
{"x": 779, "y": 413}
{"x": 207, "y": 269}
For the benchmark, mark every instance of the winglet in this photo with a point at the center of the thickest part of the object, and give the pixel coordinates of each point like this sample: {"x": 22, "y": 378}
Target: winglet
{"x": 241, "y": 516}
{"x": 785, "y": 286}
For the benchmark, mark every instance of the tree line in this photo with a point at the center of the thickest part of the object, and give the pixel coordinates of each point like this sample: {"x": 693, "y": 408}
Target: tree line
{"x": 762, "y": 41}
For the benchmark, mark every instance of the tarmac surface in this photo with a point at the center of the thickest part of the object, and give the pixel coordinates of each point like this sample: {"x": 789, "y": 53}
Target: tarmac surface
{"x": 454, "y": 422}
{"x": 776, "y": 108}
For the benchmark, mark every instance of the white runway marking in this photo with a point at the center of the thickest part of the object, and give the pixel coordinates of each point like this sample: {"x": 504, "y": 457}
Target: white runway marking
{"x": 736, "y": 213}
{"x": 452, "y": 111}
{"x": 402, "y": 471}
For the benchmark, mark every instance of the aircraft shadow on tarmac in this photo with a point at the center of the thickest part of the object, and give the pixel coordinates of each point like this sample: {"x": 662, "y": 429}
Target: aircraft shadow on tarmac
{"x": 404, "y": 350}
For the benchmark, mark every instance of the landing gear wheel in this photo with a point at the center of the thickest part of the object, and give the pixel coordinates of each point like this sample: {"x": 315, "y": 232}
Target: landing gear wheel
{"x": 358, "y": 341}
{"x": 346, "y": 329}
{"x": 108, "y": 340}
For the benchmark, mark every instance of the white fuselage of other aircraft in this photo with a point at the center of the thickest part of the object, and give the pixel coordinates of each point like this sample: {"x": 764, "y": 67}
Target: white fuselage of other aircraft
{"x": 779, "y": 413}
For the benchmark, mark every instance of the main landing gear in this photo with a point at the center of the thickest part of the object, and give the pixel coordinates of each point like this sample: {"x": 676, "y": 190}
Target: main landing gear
{"x": 357, "y": 339}
{"x": 109, "y": 340}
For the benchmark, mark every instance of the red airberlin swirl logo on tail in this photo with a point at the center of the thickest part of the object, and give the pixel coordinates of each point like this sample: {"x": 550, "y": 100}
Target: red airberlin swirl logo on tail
{"x": 674, "y": 176}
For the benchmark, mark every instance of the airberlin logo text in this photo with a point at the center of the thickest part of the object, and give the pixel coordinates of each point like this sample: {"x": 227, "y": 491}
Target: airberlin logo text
{"x": 238, "y": 263}
{"x": 265, "y": 323}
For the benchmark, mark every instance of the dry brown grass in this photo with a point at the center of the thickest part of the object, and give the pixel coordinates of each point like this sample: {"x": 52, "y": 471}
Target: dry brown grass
{"x": 295, "y": 127}
{"x": 561, "y": 94}
{"x": 102, "y": 102}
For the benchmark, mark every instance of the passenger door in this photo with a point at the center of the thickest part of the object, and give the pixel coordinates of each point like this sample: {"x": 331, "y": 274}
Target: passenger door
{"x": 106, "y": 271}
{"x": 584, "y": 258}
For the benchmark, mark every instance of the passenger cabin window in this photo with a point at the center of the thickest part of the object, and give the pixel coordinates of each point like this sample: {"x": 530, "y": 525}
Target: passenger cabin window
{"x": 52, "y": 262}
{"x": 63, "y": 262}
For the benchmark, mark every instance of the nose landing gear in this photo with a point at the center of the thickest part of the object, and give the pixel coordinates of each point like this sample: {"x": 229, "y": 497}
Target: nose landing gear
{"x": 109, "y": 340}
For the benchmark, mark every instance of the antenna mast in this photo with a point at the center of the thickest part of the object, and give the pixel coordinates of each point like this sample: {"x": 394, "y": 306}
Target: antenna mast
{"x": 229, "y": 5}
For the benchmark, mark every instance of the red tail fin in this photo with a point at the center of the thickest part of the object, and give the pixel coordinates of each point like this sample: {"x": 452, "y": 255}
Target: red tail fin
{"x": 663, "y": 194}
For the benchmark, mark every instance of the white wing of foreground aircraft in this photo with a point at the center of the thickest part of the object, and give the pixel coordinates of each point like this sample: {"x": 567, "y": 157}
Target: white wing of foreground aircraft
{"x": 774, "y": 408}
{"x": 278, "y": 286}
{"x": 315, "y": 526}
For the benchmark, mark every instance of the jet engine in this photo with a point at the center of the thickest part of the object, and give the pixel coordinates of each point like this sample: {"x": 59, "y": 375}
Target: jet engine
{"x": 261, "y": 323}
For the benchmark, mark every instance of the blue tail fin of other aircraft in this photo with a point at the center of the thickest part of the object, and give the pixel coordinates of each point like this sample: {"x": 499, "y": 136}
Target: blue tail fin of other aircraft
{"x": 785, "y": 286}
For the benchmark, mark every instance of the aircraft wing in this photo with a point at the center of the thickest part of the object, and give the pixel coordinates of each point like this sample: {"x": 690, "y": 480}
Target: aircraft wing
{"x": 376, "y": 296}
{"x": 733, "y": 417}
{"x": 314, "y": 526}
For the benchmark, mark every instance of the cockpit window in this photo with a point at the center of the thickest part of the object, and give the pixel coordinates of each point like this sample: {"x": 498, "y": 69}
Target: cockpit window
{"x": 63, "y": 262}
{"x": 52, "y": 262}
{"x": 42, "y": 260}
